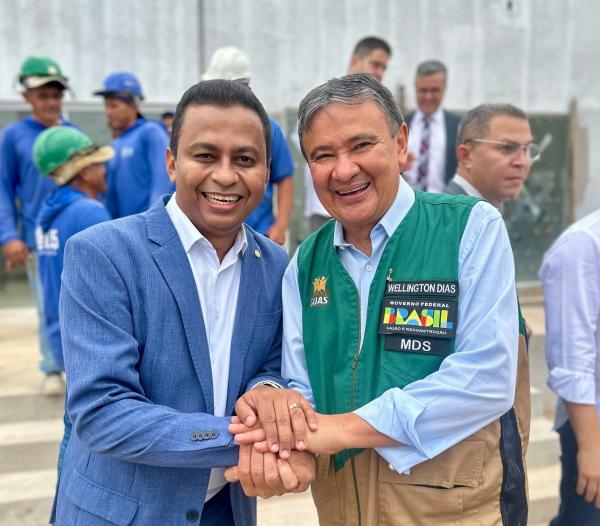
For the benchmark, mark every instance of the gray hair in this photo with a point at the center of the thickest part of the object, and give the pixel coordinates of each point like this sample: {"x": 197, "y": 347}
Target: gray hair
{"x": 431, "y": 67}
{"x": 350, "y": 89}
{"x": 476, "y": 123}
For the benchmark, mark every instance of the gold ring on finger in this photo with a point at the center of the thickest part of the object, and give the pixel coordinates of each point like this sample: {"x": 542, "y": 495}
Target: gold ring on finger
{"x": 293, "y": 405}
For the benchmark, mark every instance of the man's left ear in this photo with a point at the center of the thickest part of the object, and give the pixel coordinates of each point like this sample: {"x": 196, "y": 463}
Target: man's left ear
{"x": 402, "y": 144}
{"x": 268, "y": 177}
{"x": 170, "y": 161}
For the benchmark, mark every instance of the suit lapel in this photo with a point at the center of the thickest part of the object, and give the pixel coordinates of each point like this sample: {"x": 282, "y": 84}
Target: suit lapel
{"x": 251, "y": 285}
{"x": 175, "y": 268}
{"x": 450, "y": 130}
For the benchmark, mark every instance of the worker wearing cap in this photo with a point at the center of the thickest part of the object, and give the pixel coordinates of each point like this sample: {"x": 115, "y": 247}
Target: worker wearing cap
{"x": 137, "y": 175}
{"x": 68, "y": 157}
{"x": 77, "y": 167}
{"x": 230, "y": 63}
{"x": 43, "y": 84}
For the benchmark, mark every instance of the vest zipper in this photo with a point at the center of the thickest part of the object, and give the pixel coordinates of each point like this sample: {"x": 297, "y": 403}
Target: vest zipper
{"x": 353, "y": 403}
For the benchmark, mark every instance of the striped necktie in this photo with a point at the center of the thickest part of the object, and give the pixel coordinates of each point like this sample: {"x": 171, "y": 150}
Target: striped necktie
{"x": 423, "y": 165}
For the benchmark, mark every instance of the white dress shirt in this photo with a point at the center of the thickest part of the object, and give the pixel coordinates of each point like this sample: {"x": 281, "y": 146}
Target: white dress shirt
{"x": 466, "y": 186}
{"x": 218, "y": 283}
{"x": 570, "y": 273}
{"x": 476, "y": 384}
{"x": 312, "y": 205}
{"x": 437, "y": 150}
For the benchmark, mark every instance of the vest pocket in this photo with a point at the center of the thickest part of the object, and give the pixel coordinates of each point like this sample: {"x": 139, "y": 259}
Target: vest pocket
{"x": 460, "y": 465}
{"x": 396, "y": 367}
{"x": 443, "y": 490}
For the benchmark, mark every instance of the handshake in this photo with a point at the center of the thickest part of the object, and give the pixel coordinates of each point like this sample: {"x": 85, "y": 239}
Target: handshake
{"x": 279, "y": 434}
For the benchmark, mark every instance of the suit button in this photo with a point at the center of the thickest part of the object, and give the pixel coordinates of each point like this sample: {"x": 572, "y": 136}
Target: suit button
{"x": 193, "y": 437}
{"x": 214, "y": 434}
{"x": 192, "y": 515}
{"x": 205, "y": 435}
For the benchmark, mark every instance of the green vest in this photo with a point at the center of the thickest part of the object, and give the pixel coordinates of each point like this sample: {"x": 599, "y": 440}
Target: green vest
{"x": 411, "y": 318}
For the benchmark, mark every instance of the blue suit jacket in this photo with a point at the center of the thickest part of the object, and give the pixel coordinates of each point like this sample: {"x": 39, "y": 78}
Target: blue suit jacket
{"x": 139, "y": 379}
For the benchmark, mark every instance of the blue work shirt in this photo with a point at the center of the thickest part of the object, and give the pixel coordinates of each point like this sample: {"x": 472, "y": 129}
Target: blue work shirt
{"x": 20, "y": 179}
{"x": 261, "y": 219}
{"x": 137, "y": 174}
{"x": 65, "y": 212}
{"x": 473, "y": 386}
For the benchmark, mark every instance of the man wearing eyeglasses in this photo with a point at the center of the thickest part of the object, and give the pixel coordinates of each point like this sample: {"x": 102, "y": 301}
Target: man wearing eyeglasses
{"x": 494, "y": 153}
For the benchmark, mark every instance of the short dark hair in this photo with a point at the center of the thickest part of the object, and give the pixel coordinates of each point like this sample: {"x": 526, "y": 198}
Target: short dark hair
{"x": 367, "y": 45}
{"x": 476, "y": 123}
{"x": 350, "y": 89}
{"x": 222, "y": 94}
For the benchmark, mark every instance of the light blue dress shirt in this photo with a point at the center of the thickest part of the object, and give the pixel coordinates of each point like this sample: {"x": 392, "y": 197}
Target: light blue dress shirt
{"x": 476, "y": 384}
{"x": 570, "y": 274}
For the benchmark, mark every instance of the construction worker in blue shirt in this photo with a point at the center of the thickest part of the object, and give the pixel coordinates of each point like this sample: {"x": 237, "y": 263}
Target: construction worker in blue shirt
{"x": 77, "y": 167}
{"x": 43, "y": 86}
{"x": 137, "y": 174}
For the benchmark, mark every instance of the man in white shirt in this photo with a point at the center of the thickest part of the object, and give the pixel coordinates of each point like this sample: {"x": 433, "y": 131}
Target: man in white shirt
{"x": 495, "y": 152}
{"x": 570, "y": 274}
{"x": 371, "y": 55}
{"x": 432, "y": 138}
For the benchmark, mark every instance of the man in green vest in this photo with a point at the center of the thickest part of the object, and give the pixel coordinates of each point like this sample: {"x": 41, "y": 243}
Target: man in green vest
{"x": 401, "y": 327}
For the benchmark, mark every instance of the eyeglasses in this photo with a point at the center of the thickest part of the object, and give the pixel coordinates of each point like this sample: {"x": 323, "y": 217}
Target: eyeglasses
{"x": 512, "y": 149}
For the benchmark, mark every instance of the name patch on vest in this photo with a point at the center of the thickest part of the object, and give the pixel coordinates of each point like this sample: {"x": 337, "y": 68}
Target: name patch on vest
{"x": 320, "y": 294}
{"x": 419, "y": 316}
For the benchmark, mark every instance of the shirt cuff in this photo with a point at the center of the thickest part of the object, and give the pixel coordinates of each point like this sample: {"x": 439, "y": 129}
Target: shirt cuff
{"x": 572, "y": 386}
{"x": 394, "y": 414}
{"x": 7, "y": 237}
{"x": 268, "y": 383}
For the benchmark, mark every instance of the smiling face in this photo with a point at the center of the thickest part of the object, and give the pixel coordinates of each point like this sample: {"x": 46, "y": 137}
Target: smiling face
{"x": 220, "y": 170}
{"x": 355, "y": 163}
{"x": 430, "y": 91}
{"x": 46, "y": 103}
{"x": 498, "y": 176}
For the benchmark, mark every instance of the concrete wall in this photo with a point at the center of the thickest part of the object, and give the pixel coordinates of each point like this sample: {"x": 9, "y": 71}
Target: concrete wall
{"x": 157, "y": 39}
{"x": 538, "y": 54}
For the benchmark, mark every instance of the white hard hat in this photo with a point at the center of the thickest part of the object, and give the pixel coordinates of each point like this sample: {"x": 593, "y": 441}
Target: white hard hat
{"x": 228, "y": 63}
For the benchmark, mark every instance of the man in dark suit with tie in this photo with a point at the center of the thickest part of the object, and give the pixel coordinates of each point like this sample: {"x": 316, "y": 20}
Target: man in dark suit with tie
{"x": 432, "y": 137}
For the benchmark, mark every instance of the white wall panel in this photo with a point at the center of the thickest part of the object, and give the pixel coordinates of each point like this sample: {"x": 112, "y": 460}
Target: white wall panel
{"x": 538, "y": 54}
{"x": 158, "y": 40}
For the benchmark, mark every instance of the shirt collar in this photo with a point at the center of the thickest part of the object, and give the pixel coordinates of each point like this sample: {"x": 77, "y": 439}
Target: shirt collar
{"x": 437, "y": 116}
{"x": 466, "y": 186}
{"x": 190, "y": 235}
{"x": 390, "y": 220}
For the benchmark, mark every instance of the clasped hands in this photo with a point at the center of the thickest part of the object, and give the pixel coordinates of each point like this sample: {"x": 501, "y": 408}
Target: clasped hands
{"x": 277, "y": 433}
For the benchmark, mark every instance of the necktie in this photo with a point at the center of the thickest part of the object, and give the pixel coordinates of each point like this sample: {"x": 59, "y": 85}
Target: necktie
{"x": 423, "y": 165}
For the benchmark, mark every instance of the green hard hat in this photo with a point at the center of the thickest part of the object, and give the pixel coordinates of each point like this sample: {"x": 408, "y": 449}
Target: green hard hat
{"x": 55, "y": 146}
{"x": 62, "y": 152}
{"x": 37, "y": 71}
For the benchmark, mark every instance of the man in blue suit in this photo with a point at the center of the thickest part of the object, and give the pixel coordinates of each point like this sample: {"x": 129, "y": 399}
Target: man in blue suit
{"x": 169, "y": 317}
